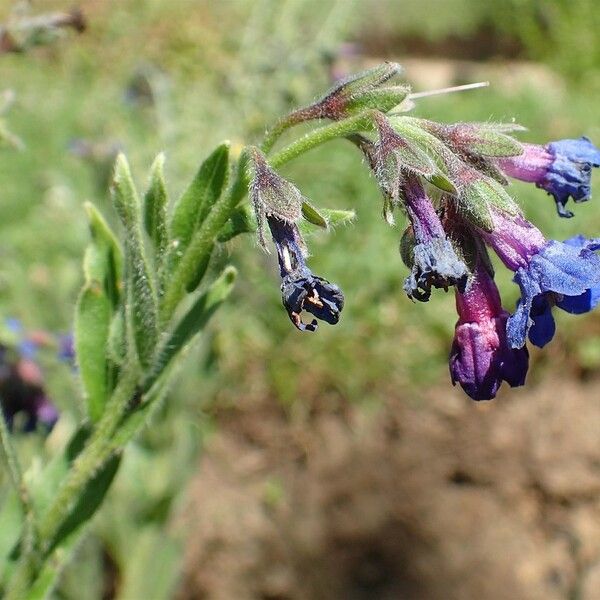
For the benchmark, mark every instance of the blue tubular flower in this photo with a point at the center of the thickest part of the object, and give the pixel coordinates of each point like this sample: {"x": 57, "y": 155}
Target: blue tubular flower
{"x": 434, "y": 261}
{"x": 481, "y": 358}
{"x": 547, "y": 272}
{"x": 562, "y": 168}
{"x": 300, "y": 289}
{"x": 587, "y": 301}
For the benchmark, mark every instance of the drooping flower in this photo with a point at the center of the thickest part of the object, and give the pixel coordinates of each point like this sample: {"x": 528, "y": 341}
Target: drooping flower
{"x": 300, "y": 289}
{"x": 481, "y": 357}
{"x": 434, "y": 260}
{"x": 547, "y": 272}
{"x": 562, "y": 168}
{"x": 280, "y": 204}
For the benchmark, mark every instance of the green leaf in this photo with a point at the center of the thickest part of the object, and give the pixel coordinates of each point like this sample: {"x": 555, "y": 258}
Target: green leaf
{"x": 243, "y": 220}
{"x": 334, "y": 218}
{"x": 92, "y": 322}
{"x": 492, "y": 143}
{"x": 440, "y": 181}
{"x": 477, "y": 199}
{"x": 66, "y": 541}
{"x": 407, "y": 247}
{"x": 382, "y": 99}
{"x": 477, "y": 214}
{"x": 100, "y": 296}
{"x": 152, "y": 566}
{"x": 103, "y": 261}
{"x": 497, "y": 196}
{"x": 155, "y": 210}
{"x": 409, "y": 127}
{"x": 412, "y": 157}
{"x": 89, "y": 501}
{"x": 312, "y": 215}
{"x": 201, "y": 269}
{"x": 117, "y": 340}
{"x": 337, "y": 217}
{"x": 11, "y": 526}
{"x": 194, "y": 321}
{"x": 141, "y": 289}
{"x": 197, "y": 200}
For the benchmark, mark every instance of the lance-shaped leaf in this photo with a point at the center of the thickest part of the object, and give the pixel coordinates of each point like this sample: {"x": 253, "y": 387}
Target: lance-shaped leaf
{"x": 382, "y": 99}
{"x": 103, "y": 261}
{"x": 477, "y": 139}
{"x": 152, "y": 564}
{"x": 488, "y": 142}
{"x": 194, "y": 205}
{"x": 92, "y": 322}
{"x": 410, "y": 128}
{"x": 193, "y": 321}
{"x": 155, "y": 210}
{"x": 407, "y": 247}
{"x": 312, "y": 215}
{"x": 396, "y": 152}
{"x": 11, "y": 526}
{"x": 141, "y": 290}
{"x": 243, "y": 220}
{"x": 97, "y": 300}
{"x": 117, "y": 339}
{"x": 478, "y": 196}
{"x": 201, "y": 269}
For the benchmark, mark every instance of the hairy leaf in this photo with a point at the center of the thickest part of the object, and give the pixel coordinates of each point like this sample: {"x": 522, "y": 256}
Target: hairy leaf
{"x": 194, "y": 205}
{"x": 141, "y": 289}
{"x": 155, "y": 210}
{"x": 194, "y": 320}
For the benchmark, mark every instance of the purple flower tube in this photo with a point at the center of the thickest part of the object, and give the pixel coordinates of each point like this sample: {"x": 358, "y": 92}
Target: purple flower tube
{"x": 481, "y": 357}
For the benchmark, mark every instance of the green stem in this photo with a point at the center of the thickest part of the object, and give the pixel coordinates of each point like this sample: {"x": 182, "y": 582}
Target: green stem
{"x": 97, "y": 451}
{"x": 203, "y": 241}
{"x": 21, "y": 580}
{"x": 361, "y": 122}
{"x": 299, "y": 116}
{"x": 14, "y": 468}
{"x": 22, "y": 575}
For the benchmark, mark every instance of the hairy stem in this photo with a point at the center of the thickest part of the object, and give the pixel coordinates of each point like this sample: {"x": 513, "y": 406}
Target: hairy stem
{"x": 360, "y": 122}
{"x": 97, "y": 451}
{"x": 14, "y": 468}
{"x": 28, "y": 542}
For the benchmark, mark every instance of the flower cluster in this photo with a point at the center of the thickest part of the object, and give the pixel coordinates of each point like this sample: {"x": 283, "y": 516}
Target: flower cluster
{"x": 449, "y": 181}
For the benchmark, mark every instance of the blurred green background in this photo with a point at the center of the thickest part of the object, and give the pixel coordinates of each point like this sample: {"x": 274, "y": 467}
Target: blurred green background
{"x": 181, "y": 75}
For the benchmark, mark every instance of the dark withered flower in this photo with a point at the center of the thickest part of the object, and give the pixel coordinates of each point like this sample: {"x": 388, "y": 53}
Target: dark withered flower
{"x": 300, "y": 289}
{"x": 279, "y": 203}
{"x": 434, "y": 260}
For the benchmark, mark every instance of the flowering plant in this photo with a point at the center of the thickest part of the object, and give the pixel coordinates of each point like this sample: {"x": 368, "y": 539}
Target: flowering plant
{"x": 145, "y": 297}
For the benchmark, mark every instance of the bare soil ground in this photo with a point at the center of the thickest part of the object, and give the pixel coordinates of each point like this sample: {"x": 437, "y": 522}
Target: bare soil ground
{"x": 447, "y": 500}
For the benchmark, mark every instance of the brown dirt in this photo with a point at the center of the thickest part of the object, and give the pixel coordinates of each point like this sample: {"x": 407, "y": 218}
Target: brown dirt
{"x": 449, "y": 500}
